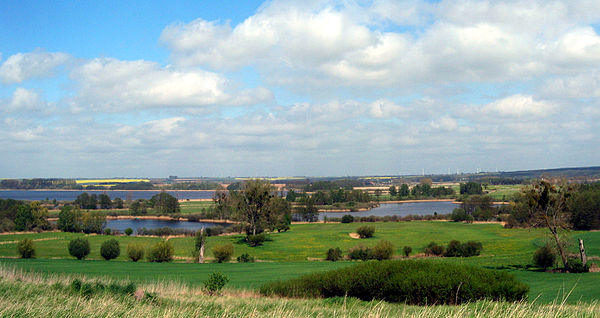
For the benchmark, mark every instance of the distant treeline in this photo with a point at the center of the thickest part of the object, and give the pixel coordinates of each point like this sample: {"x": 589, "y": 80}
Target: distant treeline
{"x": 27, "y": 184}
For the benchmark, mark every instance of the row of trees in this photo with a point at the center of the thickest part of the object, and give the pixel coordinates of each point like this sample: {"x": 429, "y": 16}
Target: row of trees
{"x": 72, "y": 219}
{"x": 92, "y": 201}
{"x": 23, "y": 216}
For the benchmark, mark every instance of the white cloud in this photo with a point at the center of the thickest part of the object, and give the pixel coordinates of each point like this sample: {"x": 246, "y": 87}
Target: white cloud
{"x": 22, "y": 66}
{"x": 23, "y": 100}
{"x": 520, "y": 105}
{"x": 114, "y": 85}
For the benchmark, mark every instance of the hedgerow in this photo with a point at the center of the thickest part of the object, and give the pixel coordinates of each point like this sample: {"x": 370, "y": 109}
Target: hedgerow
{"x": 413, "y": 282}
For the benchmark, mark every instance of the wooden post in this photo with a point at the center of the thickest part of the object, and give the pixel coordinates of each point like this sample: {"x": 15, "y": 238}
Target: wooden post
{"x": 201, "y": 254}
{"x": 582, "y": 252}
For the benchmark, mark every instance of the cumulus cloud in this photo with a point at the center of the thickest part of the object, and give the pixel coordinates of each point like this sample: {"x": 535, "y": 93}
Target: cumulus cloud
{"x": 331, "y": 44}
{"x": 114, "y": 85}
{"x": 520, "y": 105}
{"x": 22, "y": 66}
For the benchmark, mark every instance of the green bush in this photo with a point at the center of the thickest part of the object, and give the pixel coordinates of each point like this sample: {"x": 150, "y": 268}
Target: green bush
{"x": 457, "y": 249}
{"x": 107, "y": 231}
{"x": 360, "y": 252}
{"x": 79, "y": 248}
{"x": 215, "y": 282}
{"x": 245, "y": 258}
{"x": 223, "y": 252}
{"x": 128, "y": 231}
{"x": 110, "y": 249}
{"x": 26, "y": 248}
{"x": 576, "y": 266}
{"x": 256, "y": 240}
{"x": 434, "y": 249}
{"x": 414, "y": 282}
{"x": 383, "y": 250}
{"x": 365, "y": 231}
{"x": 89, "y": 289}
{"x": 162, "y": 251}
{"x": 135, "y": 251}
{"x": 544, "y": 257}
{"x": 334, "y": 254}
{"x": 407, "y": 250}
{"x": 347, "y": 218}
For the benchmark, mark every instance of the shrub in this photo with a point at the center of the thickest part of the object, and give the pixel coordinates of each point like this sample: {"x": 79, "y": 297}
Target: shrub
{"x": 407, "y": 250}
{"x": 245, "y": 258}
{"x": 365, "y": 231}
{"x": 458, "y": 215}
{"x": 334, "y": 254}
{"x": 215, "y": 282}
{"x": 434, "y": 249}
{"x": 223, "y": 252}
{"x": 107, "y": 231}
{"x": 135, "y": 251}
{"x": 414, "y": 282}
{"x": 162, "y": 251}
{"x": 360, "y": 252}
{"x": 347, "y": 218}
{"x": 215, "y": 230}
{"x": 472, "y": 248}
{"x": 26, "y": 248}
{"x": 576, "y": 266}
{"x": 128, "y": 231}
{"x": 256, "y": 240}
{"x": 110, "y": 249}
{"x": 79, "y": 248}
{"x": 383, "y": 250}
{"x": 544, "y": 257}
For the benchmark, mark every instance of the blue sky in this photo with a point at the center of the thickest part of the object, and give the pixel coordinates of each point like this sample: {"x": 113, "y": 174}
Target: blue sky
{"x": 281, "y": 88}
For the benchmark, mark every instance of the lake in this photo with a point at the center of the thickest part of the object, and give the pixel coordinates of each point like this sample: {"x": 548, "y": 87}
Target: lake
{"x": 400, "y": 209}
{"x": 135, "y": 224}
{"x": 63, "y": 195}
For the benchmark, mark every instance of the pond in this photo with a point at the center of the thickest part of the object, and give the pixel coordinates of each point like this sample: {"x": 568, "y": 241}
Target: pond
{"x": 400, "y": 209}
{"x": 134, "y": 224}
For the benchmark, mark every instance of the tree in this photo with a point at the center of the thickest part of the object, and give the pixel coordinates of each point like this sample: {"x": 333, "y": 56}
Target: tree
{"x": 470, "y": 188}
{"x": 308, "y": 212}
{"x": 165, "y": 203}
{"x": 105, "y": 202}
{"x": 223, "y": 252}
{"x": 392, "y": 190}
{"x": 160, "y": 252}
{"x": 93, "y": 222}
{"x": 251, "y": 204}
{"x": 135, "y": 251}
{"x": 585, "y": 210}
{"x": 199, "y": 245}
{"x": 278, "y": 214}
{"x": 222, "y": 205}
{"x": 79, "y": 248}
{"x": 69, "y": 219}
{"x": 291, "y": 196}
{"x": 110, "y": 249}
{"x": 404, "y": 190}
{"x": 24, "y": 218}
{"x": 118, "y": 203}
{"x": 548, "y": 204}
{"x": 26, "y": 248}
{"x": 138, "y": 207}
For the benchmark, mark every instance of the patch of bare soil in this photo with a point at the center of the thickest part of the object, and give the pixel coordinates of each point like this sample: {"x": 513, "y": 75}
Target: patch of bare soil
{"x": 354, "y": 235}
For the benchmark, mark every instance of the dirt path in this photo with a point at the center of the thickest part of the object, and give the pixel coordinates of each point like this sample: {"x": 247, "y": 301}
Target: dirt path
{"x": 36, "y": 240}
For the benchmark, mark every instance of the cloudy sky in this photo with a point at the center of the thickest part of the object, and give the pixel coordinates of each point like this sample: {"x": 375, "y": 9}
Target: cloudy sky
{"x": 283, "y": 88}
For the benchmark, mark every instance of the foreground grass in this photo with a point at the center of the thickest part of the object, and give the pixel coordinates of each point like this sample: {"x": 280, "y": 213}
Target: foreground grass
{"x": 27, "y": 295}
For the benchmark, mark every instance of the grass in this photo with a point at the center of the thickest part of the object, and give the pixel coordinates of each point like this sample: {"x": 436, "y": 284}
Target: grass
{"x": 27, "y": 295}
{"x": 503, "y": 192}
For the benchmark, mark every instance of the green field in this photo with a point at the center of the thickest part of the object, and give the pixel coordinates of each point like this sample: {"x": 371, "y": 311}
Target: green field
{"x": 293, "y": 253}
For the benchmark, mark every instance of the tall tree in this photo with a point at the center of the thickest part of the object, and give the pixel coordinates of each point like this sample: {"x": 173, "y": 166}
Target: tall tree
{"x": 165, "y": 203}
{"x": 392, "y": 190}
{"x": 548, "y": 204}
{"x": 251, "y": 204}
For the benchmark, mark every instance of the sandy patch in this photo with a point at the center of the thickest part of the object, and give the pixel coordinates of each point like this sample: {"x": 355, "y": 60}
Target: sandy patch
{"x": 354, "y": 235}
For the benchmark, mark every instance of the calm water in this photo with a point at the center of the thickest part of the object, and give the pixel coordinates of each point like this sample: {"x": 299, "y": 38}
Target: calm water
{"x": 135, "y": 224}
{"x": 37, "y": 195}
{"x": 400, "y": 209}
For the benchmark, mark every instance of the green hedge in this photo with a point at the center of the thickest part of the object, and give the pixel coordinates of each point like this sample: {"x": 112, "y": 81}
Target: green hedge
{"x": 412, "y": 281}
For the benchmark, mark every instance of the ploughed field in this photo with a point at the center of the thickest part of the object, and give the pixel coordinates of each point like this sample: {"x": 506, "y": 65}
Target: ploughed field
{"x": 302, "y": 250}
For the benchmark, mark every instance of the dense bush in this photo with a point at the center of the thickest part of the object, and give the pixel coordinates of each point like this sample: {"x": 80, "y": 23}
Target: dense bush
{"x": 360, "y": 252}
{"x": 26, "y": 248}
{"x": 256, "y": 240}
{"x": 576, "y": 266}
{"x": 544, "y": 257}
{"x": 365, "y": 231}
{"x": 79, "y": 248}
{"x": 223, "y": 253}
{"x": 128, "y": 231}
{"x": 245, "y": 258}
{"x": 457, "y": 249}
{"x": 434, "y": 249}
{"x": 383, "y": 250}
{"x": 411, "y": 281}
{"x": 215, "y": 282}
{"x": 135, "y": 251}
{"x": 334, "y": 254}
{"x": 162, "y": 251}
{"x": 347, "y": 218}
{"x": 407, "y": 250}
{"x": 215, "y": 230}
{"x": 110, "y": 249}
{"x": 107, "y": 231}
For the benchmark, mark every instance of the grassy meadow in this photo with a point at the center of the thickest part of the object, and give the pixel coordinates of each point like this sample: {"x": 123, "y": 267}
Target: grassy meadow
{"x": 302, "y": 249}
